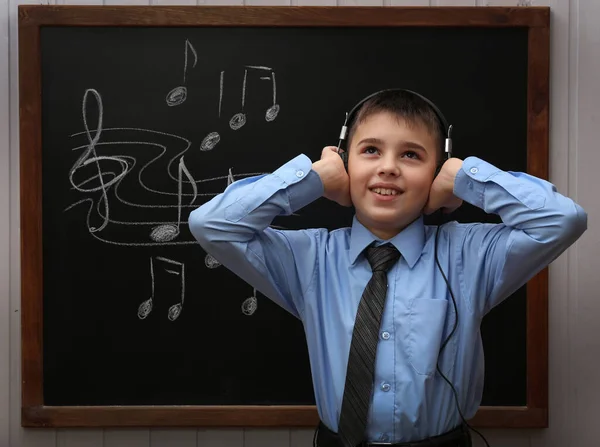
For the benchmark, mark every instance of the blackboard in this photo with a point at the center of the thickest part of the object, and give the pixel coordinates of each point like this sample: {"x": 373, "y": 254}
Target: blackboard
{"x": 132, "y": 117}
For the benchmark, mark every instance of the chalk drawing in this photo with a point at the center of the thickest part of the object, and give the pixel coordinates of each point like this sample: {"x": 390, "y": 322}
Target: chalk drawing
{"x": 178, "y": 95}
{"x": 174, "y": 268}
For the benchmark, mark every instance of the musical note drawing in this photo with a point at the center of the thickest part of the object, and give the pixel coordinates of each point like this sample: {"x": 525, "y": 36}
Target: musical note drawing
{"x": 146, "y": 307}
{"x": 210, "y": 141}
{"x": 272, "y": 111}
{"x": 85, "y": 160}
{"x": 179, "y": 94}
{"x": 221, "y": 79}
{"x": 250, "y": 305}
{"x": 230, "y": 179}
{"x": 239, "y": 119}
{"x": 168, "y": 232}
{"x": 120, "y": 170}
{"x": 211, "y": 262}
{"x": 112, "y": 176}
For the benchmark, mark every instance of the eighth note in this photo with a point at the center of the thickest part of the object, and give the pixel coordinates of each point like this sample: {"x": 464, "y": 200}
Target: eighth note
{"x": 145, "y": 308}
{"x": 210, "y": 141}
{"x": 179, "y": 94}
{"x": 168, "y": 232}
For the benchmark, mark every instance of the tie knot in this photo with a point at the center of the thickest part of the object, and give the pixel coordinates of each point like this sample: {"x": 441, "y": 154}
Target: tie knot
{"x": 382, "y": 258}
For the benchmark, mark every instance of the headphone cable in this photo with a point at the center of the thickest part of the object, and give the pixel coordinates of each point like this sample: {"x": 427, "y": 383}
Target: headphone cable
{"x": 448, "y": 339}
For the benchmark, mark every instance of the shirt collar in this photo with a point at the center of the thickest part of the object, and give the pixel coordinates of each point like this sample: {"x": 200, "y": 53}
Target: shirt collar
{"x": 409, "y": 241}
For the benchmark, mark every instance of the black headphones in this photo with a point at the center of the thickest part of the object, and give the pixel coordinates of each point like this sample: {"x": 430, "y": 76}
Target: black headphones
{"x": 352, "y": 115}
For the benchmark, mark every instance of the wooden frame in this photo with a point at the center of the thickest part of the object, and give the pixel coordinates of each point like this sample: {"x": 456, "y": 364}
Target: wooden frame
{"x": 32, "y": 18}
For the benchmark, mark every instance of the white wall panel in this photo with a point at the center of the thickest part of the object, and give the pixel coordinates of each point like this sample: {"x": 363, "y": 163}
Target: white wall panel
{"x": 221, "y": 438}
{"x": 5, "y": 310}
{"x": 79, "y": 438}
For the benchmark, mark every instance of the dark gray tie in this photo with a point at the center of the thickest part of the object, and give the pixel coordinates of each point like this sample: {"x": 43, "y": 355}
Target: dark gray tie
{"x": 361, "y": 360}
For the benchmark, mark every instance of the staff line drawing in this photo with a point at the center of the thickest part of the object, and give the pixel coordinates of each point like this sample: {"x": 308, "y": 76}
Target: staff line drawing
{"x": 171, "y": 161}
{"x": 125, "y": 244}
{"x": 91, "y": 179}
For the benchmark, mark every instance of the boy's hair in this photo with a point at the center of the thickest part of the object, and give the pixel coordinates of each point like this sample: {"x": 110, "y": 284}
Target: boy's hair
{"x": 404, "y": 105}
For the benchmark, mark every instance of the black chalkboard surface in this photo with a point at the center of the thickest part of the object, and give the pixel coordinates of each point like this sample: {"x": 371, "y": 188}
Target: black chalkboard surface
{"x": 138, "y": 125}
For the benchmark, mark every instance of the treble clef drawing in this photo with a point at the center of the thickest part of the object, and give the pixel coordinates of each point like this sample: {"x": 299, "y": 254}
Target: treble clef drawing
{"x": 89, "y": 156}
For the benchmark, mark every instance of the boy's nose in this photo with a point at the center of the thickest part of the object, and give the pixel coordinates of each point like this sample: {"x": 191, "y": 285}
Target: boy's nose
{"x": 389, "y": 166}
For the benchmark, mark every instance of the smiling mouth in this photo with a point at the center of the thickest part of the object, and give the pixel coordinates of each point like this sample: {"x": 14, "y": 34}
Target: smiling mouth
{"x": 385, "y": 191}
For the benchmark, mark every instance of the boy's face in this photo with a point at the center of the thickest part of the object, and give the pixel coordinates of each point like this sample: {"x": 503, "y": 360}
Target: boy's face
{"x": 391, "y": 165}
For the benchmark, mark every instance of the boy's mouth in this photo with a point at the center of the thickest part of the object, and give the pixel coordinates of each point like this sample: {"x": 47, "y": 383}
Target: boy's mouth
{"x": 385, "y": 191}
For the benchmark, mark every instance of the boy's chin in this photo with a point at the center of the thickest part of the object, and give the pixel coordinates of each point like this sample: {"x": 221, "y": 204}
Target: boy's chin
{"x": 388, "y": 223}
{"x": 393, "y": 219}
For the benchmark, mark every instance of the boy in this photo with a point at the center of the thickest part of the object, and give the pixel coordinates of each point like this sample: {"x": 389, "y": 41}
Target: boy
{"x": 394, "y": 148}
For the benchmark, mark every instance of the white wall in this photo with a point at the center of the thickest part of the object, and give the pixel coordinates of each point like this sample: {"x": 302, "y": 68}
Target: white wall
{"x": 574, "y": 277}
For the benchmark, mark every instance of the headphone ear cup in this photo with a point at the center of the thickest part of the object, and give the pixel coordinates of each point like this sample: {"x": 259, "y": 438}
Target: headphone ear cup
{"x": 344, "y": 156}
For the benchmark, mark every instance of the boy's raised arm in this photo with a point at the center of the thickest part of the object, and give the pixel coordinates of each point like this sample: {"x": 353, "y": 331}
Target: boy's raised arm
{"x": 538, "y": 224}
{"x": 234, "y": 228}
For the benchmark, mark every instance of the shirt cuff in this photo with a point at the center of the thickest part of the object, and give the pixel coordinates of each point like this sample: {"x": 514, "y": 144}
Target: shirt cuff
{"x": 469, "y": 183}
{"x": 303, "y": 185}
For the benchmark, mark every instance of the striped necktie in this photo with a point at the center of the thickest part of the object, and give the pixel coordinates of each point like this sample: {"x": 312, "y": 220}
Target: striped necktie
{"x": 361, "y": 359}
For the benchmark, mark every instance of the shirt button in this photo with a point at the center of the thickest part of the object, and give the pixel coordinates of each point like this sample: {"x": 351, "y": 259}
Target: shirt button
{"x": 474, "y": 170}
{"x": 299, "y": 174}
{"x": 385, "y": 335}
{"x": 385, "y": 387}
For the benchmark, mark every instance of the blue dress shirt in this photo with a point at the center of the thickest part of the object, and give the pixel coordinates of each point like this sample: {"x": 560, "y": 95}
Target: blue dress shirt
{"x": 319, "y": 276}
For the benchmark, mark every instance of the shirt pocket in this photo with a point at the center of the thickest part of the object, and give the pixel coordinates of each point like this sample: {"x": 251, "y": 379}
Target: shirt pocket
{"x": 429, "y": 326}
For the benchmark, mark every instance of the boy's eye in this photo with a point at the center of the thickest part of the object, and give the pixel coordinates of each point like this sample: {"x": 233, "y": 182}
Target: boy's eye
{"x": 412, "y": 154}
{"x": 370, "y": 150}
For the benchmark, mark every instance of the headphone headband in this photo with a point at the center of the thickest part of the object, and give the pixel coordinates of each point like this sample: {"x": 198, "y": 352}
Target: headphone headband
{"x": 447, "y": 128}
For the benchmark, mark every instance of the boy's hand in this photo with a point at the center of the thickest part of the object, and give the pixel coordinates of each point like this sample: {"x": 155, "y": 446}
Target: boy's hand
{"x": 334, "y": 176}
{"x": 441, "y": 194}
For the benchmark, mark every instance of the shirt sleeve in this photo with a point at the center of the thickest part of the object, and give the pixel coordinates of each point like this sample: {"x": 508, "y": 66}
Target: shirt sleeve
{"x": 538, "y": 224}
{"x": 234, "y": 228}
